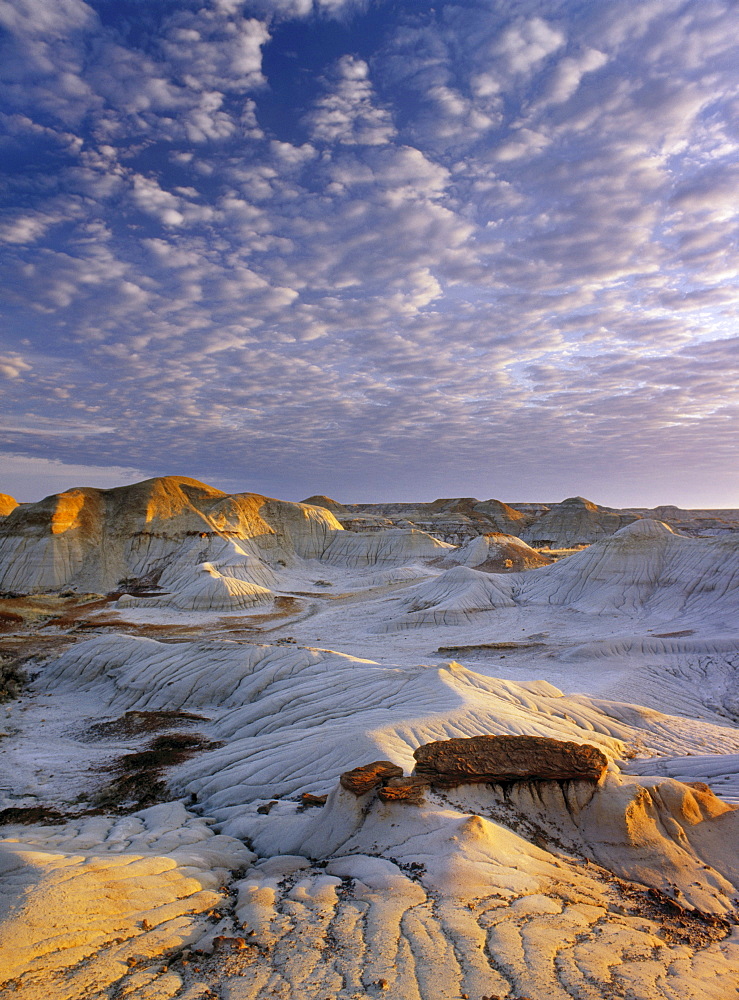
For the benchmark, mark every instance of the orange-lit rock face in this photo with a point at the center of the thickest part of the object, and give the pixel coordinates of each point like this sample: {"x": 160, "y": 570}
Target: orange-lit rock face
{"x": 494, "y": 759}
{"x": 363, "y": 779}
{"x": 410, "y": 790}
{"x": 75, "y": 509}
{"x": 7, "y": 504}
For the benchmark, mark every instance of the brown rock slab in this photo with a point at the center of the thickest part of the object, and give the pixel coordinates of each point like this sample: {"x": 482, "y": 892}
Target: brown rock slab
{"x": 363, "y": 779}
{"x": 410, "y": 790}
{"x": 307, "y": 799}
{"x": 493, "y": 759}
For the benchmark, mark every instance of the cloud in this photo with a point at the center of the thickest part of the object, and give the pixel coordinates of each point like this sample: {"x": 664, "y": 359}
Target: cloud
{"x": 216, "y": 48}
{"x": 478, "y": 232}
{"x": 152, "y": 199}
{"x": 567, "y": 75}
{"x": 523, "y": 142}
{"x": 35, "y": 478}
{"x": 287, "y": 9}
{"x": 347, "y": 114}
{"x": 12, "y": 365}
{"x": 524, "y": 45}
{"x": 28, "y": 228}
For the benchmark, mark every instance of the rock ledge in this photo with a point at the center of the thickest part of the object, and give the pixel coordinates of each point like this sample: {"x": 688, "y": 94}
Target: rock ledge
{"x": 499, "y": 759}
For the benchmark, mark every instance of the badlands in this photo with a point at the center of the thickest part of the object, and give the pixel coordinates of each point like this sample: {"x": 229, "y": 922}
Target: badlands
{"x": 320, "y": 751}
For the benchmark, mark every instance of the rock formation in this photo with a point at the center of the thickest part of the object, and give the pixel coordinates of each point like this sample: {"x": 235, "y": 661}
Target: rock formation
{"x": 97, "y": 540}
{"x": 180, "y": 542}
{"x": 496, "y": 552}
{"x": 453, "y": 520}
{"x": 571, "y": 522}
{"x": 575, "y": 521}
{"x": 644, "y": 564}
{"x": 502, "y": 759}
{"x": 586, "y": 850}
{"x": 363, "y": 779}
{"x": 327, "y": 503}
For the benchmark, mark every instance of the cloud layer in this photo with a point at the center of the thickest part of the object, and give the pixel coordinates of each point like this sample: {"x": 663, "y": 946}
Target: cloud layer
{"x": 375, "y": 250}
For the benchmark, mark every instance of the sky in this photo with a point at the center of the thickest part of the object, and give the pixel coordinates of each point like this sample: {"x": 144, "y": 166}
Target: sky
{"x": 375, "y": 249}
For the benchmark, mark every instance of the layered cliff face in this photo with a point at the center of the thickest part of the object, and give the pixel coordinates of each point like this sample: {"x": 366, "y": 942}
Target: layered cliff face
{"x": 454, "y": 520}
{"x": 103, "y": 540}
{"x": 181, "y": 536}
{"x": 574, "y": 522}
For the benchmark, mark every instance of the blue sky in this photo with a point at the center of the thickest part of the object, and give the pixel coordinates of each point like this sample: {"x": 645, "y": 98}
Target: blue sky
{"x": 380, "y": 250}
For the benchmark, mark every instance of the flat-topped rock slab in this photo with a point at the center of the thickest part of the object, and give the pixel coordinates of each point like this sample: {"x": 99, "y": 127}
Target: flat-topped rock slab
{"x": 495, "y": 759}
{"x": 361, "y": 780}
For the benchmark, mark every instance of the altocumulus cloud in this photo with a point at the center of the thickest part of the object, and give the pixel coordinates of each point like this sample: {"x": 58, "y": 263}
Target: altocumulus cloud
{"x": 374, "y": 249}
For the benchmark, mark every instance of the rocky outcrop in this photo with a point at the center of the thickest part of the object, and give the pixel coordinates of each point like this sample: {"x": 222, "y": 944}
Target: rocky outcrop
{"x": 501, "y": 759}
{"x": 574, "y": 521}
{"x": 410, "y": 789}
{"x": 454, "y": 520}
{"x": 692, "y": 522}
{"x": 476, "y": 760}
{"x": 103, "y": 540}
{"x": 493, "y": 513}
{"x": 361, "y": 780}
{"x": 175, "y": 541}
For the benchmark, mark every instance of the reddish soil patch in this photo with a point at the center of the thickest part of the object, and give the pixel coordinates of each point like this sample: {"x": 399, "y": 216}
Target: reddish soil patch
{"x": 678, "y": 924}
{"x": 9, "y": 621}
{"x": 30, "y": 815}
{"x": 135, "y": 723}
{"x": 139, "y": 780}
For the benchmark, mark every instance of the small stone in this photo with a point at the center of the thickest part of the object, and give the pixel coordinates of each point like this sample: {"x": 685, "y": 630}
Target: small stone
{"x": 361, "y": 780}
{"x": 307, "y": 800}
{"x": 231, "y": 943}
{"x": 410, "y": 790}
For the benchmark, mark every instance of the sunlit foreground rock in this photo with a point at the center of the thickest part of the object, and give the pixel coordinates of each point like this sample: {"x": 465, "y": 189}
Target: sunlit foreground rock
{"x": 557, "y": 888}
{"x": 499, "y": 759}
{"x": 85, "y": 904}
{"x": 544, "y": 888}
{"x": 559, "y": 793}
